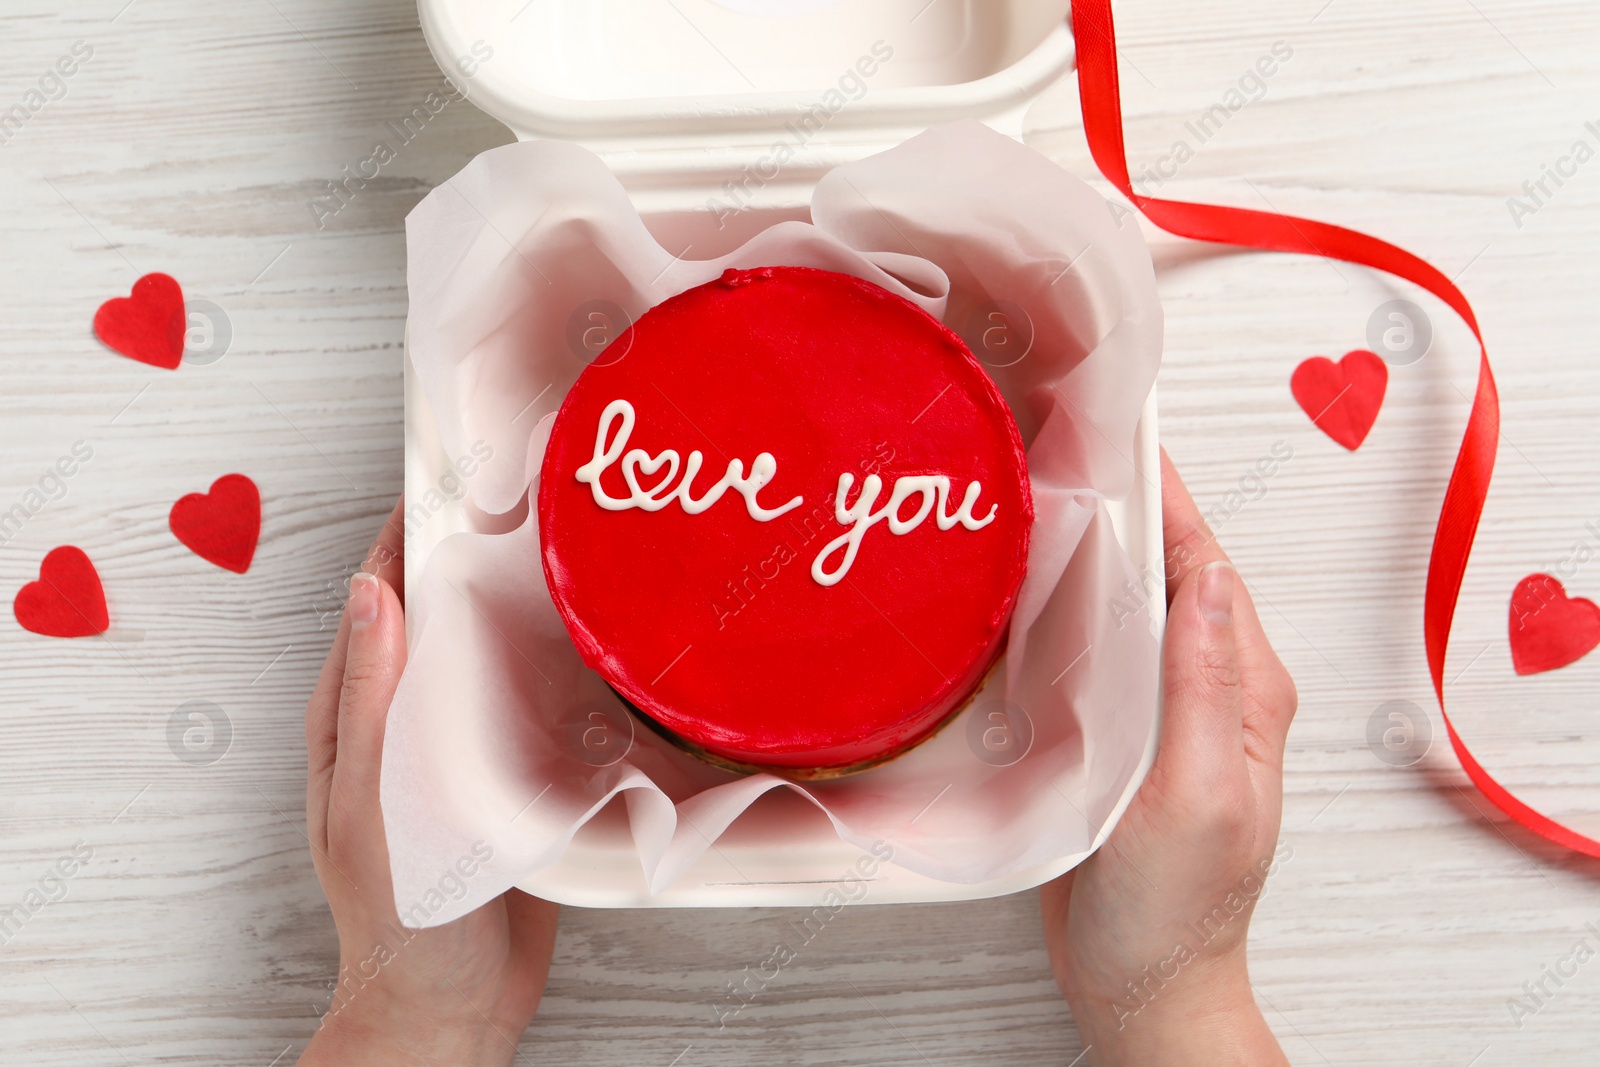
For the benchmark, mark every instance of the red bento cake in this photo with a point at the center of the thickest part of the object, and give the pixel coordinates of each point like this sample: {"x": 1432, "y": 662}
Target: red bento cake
{"x": 786, "y": 516}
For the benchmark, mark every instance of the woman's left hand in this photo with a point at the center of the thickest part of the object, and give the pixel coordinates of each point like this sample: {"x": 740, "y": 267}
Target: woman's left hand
{"x": 460, "y": 993}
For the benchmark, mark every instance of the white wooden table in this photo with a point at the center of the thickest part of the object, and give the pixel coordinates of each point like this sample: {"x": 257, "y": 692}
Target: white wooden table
{"x": 192, "y": 142}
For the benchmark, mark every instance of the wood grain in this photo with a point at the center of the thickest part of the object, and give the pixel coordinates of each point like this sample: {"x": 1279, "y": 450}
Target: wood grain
{"x": 192, "y": 143}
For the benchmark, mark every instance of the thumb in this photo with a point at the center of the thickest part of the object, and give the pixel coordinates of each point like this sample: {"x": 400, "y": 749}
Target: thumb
{"x": 376, "y": 656}
{"x": 1204, "y": 706}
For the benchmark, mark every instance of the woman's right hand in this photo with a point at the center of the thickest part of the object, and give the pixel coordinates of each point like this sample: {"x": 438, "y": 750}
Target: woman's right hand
{"x": 1147, "y": 936}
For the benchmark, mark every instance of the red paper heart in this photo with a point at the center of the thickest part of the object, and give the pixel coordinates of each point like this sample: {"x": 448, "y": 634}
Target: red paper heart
{"x": 223, "y": 525}
{"x": 1548, "y": 628}
{"x": 149, "y": 325}
{"x": 67, "y": 600}
{"x": 1342, "y": 398}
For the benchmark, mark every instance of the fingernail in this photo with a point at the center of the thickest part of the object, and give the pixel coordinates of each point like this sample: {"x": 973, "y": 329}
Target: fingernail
{"x": 363, "y": 600}
{"x": 1216, "y": 592}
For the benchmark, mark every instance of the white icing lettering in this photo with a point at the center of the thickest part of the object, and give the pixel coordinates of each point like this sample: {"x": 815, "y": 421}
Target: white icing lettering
{"x": 931, "y": 492}
{"x": 963, "y": 513}
{"x": 860, "y": 517}
{"x": 637, "y": 459}
{"x": 608, "y": 449}
{"x": 606, "y": 454}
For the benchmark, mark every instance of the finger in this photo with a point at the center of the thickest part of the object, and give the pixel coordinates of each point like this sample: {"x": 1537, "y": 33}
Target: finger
{"x": 377, "y": 655}
{"x": 1270, "y": 702}
{"x": 1190, "y": 543}
{"x": 1203, "y": 711}
{"x": 1055, "y": 900}
{"x": 385, "y": 558}
{"x": 533, "y": 924}
{"x": 1270, "y": 699}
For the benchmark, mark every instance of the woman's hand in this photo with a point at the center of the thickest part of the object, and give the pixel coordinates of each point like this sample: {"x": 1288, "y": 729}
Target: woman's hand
{"x": 1147, "y": 936}
{"x": 461, "y": 993}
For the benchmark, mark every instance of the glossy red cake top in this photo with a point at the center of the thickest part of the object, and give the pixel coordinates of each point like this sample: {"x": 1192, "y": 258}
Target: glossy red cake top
{"x": 786, "y": 516}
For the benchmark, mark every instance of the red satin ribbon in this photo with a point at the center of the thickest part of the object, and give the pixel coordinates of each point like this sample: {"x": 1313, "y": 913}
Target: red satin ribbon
{"x": 1469, "y": 481}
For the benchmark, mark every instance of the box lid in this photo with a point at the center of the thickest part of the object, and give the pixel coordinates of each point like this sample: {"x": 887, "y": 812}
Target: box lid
{"x": 685, "y": 93}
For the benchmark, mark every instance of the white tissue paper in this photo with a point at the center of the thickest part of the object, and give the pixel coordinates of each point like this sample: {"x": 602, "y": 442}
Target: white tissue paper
{"x": 957, "y": 220}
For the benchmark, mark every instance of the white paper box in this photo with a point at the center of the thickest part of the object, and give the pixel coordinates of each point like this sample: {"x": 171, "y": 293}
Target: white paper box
{"x": 679, "y": 97}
